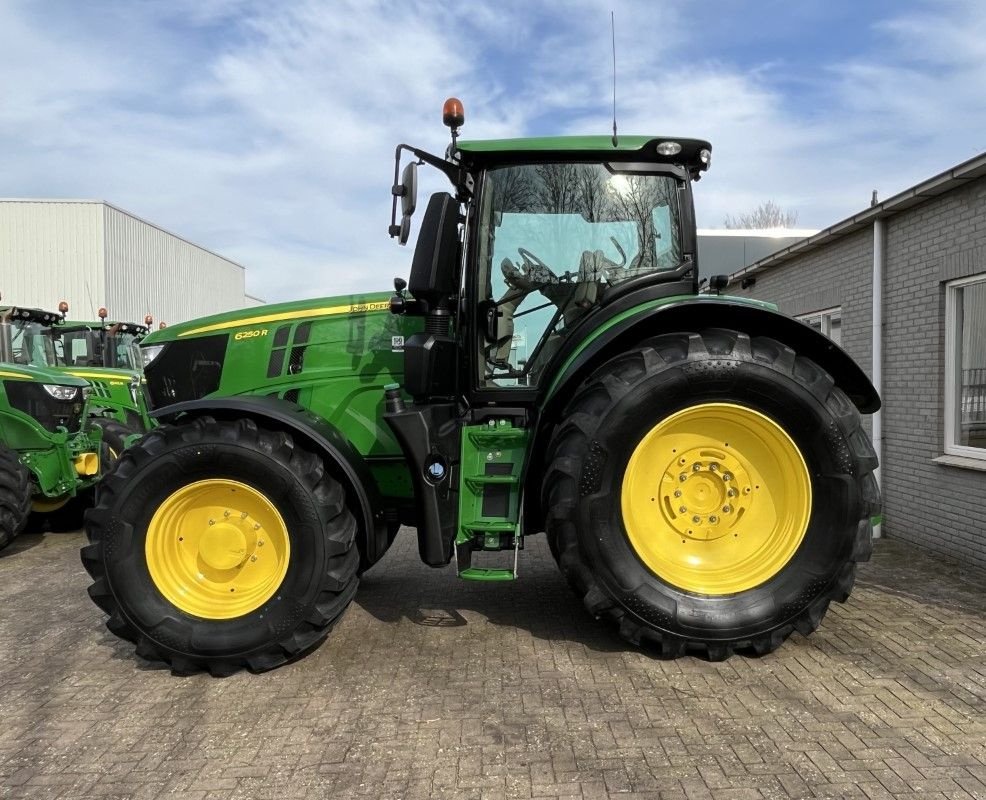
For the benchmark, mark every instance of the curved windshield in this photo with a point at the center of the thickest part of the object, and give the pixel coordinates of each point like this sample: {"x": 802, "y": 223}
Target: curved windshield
{"x": 552, "y": 239}
{"x": 30, "y": 345}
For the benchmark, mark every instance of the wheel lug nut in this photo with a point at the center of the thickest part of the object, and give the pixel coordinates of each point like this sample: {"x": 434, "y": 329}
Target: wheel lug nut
{"x": 727, "y": 476}
{"x": 226, "y": 513}
{"x": 731, "y": 493}
{"x": 696, "y": 467}
{"x": 683, "y": 509}
{"x": 260, "y": 542}
{"x": 212, "y": 522}
{"x": 243, "y": 515}
{"x": 696, "y": 520}
{"x": 713, "y": 467}
{"x": 726, "y": 509}
{"x": 677, "y": 492}
{"x": 682, "y": 477}
{"x": 713, "y": 519}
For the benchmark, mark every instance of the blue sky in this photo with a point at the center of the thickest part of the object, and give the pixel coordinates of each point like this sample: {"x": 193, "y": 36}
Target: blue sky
{"x": 265, "y": 131}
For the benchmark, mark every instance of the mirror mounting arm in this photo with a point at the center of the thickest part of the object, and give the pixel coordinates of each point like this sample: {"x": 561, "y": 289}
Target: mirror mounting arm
{"x": 460, "y": 178}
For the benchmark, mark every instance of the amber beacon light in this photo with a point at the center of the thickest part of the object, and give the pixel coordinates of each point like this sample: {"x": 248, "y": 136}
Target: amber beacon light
{"x": 453, "y": 115}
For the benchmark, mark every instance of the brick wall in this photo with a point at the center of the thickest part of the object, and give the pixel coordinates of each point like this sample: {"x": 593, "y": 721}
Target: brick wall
{"x": 936, "y": 506}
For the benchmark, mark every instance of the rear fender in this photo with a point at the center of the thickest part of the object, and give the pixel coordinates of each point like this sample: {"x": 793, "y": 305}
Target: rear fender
{"x": 316, "y": 434}
{"x": 697, "y": 313}
{"x": 686, "y": 314}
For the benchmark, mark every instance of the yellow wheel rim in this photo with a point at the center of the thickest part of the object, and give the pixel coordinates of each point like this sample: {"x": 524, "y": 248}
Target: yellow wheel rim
{"x": 217, "y": 549}
{"x": 716, "y": 499}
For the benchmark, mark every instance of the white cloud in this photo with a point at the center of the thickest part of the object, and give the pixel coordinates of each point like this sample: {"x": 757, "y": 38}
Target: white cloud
{"x": 266, "y": 131}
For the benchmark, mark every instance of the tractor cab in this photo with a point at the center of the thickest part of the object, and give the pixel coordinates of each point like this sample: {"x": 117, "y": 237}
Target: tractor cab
{"x": 98, "y": 344}
{"x": 23, "y": 336}
{"x": 552, "y": 231}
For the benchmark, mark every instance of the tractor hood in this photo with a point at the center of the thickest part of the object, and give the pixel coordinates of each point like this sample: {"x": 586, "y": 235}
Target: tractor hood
{"x": 247, "y": 319}
{"x": 103, "y": 374}
{"x": 40, "y": 375}
{"x": 281, "y": 349}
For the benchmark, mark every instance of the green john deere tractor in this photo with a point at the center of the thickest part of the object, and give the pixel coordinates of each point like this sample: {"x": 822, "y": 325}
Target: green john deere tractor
{"x": 106, "y": 354}
{"x": 48, "y": 454}
{"x": 696, "y": 461}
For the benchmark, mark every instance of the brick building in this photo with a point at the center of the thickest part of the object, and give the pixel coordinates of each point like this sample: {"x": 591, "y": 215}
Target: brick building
{"x": 922, "y": 255}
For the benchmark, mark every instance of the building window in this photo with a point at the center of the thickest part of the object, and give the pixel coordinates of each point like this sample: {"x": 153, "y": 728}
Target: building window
{"x": 965, "y": 367}
{"x": 827, "y": 322}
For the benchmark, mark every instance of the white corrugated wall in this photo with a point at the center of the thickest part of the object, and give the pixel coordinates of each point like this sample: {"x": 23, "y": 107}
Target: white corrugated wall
{"x": 93, "y": 254}
{"x": 151, "y": 271}
{"x": 51, "y": 251}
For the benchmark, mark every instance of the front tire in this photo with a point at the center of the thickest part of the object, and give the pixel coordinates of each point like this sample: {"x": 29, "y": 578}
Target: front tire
{"x": 710, "y": 492}
{"x": 114, "y": 440}
{"x": 219, "y": 545}
{"x": 15, "y": 496}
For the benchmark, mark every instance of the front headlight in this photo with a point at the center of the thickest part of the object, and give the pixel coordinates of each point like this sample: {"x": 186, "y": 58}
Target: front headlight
{"x": 60, "y": 392}
{"x": 150, "y": 352}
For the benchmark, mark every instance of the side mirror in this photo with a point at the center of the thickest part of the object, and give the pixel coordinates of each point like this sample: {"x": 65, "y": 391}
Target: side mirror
{"x": 409, "y": 186}
{"x": 718, "y": 282}
{"x": 407, "y": 191}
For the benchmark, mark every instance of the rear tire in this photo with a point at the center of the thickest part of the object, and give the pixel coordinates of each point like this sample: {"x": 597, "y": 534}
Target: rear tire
{"x": 179, "y": 526}
{"x": 654, "y": 532}
{"x": 15, "y": 496}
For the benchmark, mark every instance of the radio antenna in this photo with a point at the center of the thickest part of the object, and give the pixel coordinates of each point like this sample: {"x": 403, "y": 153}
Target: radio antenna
{"x": 91, "y": 303}
{"x": 612, "y": 27}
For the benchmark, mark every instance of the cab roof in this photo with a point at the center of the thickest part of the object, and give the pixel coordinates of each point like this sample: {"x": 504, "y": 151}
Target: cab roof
{"x": 593, "y": 148}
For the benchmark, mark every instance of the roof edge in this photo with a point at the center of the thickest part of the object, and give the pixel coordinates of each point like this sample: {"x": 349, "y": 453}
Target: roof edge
{"x": 933, "y": 187}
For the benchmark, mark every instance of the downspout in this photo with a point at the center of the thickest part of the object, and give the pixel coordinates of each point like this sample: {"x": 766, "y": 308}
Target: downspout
{"x": 879, "y": 266}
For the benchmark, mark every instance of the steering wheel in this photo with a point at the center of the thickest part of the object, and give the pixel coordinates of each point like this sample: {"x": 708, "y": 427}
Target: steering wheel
{"x": 535, "y": 270}
{"x": 530, "y": 258}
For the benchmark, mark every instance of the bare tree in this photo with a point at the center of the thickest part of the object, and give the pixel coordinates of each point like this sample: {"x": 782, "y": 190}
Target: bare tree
{"x": 766, "y": 215}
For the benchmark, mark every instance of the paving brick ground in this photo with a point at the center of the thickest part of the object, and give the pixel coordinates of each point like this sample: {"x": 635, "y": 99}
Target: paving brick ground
{"x": 431, "y": 687}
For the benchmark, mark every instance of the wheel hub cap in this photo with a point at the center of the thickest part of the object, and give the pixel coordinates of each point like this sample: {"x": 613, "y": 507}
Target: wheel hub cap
{"x": 700, "y": 496}
{"x": 223, "y": 547}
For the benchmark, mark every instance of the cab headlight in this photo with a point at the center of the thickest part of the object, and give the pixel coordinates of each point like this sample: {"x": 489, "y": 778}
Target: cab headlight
{"x": 150, "y": 352}
{"x": 60, "y": 392}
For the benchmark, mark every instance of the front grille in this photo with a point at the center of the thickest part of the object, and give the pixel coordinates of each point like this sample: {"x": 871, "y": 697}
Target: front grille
{"x": 52, "y": 414}
{"x": 186, "y": 370}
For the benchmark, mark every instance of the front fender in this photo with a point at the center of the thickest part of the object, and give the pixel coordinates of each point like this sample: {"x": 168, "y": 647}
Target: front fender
{"x": 317, "y": 434}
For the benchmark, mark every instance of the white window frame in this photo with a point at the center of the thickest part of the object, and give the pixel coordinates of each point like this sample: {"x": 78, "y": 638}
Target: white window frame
{"x": 825, "y": 317}
{"x": 953, "y": 342}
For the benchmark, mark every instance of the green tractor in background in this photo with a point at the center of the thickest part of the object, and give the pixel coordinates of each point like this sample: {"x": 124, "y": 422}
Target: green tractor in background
{"x": 697, "y": 462}
{"x": 48, "y": 453}
{"x": 106, "y": 354}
